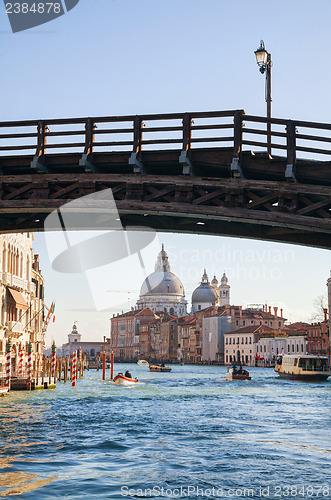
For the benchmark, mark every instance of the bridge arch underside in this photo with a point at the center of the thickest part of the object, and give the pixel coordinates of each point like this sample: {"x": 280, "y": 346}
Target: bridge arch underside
{"x": 265, "y": 210}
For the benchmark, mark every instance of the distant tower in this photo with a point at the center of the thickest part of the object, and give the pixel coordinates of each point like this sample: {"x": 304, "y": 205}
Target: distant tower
{"x": 214, "y": 284}
{"x": 224, "y": 291}
{"x": 74, "y": 336}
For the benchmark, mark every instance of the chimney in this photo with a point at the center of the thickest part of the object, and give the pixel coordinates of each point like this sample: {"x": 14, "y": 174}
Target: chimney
{"x": 281, "y": 313}
{"x": 113, "y": 315}
{"x": 325, "y": 314}
{"x": 275, "y": 311}
{"x": 269, "y": 309}
{"x": 266, "y": 308}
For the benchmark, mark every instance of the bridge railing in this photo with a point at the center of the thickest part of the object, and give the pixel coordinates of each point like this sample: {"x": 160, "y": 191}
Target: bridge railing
{"x": 231, "y": 129}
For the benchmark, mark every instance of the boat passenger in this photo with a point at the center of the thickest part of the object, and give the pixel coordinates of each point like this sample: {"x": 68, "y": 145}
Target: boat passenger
{"x": 128, "y": 374}
{"x": 235, "y": 371}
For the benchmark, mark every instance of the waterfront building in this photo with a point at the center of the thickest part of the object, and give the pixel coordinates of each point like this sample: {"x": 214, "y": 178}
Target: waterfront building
{"x": 239, "y": 345}
{"x": 124, "y": 333}
{"x": 213, "y": 329}
{"x": 269, "y": 346}
{"x": 92, "y": 350}
{"x": 210, "y": 294}
{"x": 187, "y": 339}
{"x": 162, "y": 290}
{"x": 318, "y": 338}
{"x": 22, "y": 300}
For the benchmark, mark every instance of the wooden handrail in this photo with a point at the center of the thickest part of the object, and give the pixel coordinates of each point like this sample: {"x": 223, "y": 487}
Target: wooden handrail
{"x": 177, "y": 129}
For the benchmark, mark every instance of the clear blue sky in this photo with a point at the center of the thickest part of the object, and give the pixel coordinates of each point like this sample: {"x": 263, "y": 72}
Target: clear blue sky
{"x": 150, "y": 56}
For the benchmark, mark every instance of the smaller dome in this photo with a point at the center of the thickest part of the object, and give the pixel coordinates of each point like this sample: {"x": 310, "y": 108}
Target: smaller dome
{"x": 224, "y": 280}
{"x": 214, "y": 281}
{"x": 204, "y": 294}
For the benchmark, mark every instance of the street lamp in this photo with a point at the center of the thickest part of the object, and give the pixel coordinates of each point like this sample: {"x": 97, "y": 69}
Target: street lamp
{"x": 263, "y": 59}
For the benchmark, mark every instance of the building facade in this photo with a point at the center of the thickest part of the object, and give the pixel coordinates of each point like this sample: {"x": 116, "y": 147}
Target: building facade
{"x": 318, "y": 338}
{"x": 22, "y": 301}
{"x": 213, "y": 329}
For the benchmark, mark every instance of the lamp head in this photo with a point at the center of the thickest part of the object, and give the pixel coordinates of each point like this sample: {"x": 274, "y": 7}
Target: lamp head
{"x": 261, "y": 57}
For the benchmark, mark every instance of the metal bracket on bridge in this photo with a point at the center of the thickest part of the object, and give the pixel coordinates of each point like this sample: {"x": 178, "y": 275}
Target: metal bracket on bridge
{"x": 138, "y": 166}
{"x": 35, "y": 164}
{"x": 89, "y": 167}
{"x": 236, "y": 170}
{"x": 187, "y": 164}
{"x": 289, "y": 173}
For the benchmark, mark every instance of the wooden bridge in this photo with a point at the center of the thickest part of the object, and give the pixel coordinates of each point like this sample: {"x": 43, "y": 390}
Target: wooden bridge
{"x": 204, "y": 172}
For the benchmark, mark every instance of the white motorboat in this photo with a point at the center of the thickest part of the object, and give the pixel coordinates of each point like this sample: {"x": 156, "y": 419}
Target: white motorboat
{"x": 121, "y": 379}
{"x": 237, "y": 374}
{"x": 143, "y": 362}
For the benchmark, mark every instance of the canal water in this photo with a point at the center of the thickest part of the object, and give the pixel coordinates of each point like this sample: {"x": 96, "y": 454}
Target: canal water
{"x": 184, "y": 434}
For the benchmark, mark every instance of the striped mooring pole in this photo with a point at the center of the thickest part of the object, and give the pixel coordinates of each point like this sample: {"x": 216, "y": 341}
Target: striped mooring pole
{"x": 20, "y": 363}
{"x": 53, "y": 361}
{"x": 80, "y": 361}
{"x": 74, "y": 368}
{"x": 8, "y": 363}
{"x": 29, "y": 366}
{"x": 112, "y": 366}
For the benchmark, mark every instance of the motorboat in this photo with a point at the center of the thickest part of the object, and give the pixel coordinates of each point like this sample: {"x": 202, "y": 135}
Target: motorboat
{"x": 4, "y": 389}
{"x": 303, "y": 367}
{"x": 142, "y": 362}
{"x": 121, "y": 379}
{"x": 235, "y": 373}
{"x": 159, "y": 368}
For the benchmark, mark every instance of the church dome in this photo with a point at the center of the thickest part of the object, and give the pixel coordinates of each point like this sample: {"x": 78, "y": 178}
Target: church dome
{"x": 162, "y": 281}
{"x": 205, "y": 292}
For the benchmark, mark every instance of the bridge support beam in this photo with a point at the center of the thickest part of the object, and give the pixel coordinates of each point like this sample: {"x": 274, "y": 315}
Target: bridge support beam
{"x": 290, "y": 173}
{"x": 88, "y": 166}
{"x": 138, "y": 166}
{"x": 186, "y": 163}
{"x": 236, "y": 170}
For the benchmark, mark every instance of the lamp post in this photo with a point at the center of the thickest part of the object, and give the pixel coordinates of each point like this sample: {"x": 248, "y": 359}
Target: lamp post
{"x": 263, "y": 59}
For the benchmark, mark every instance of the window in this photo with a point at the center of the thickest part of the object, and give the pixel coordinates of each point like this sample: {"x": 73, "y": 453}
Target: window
{"x": 226, "y": 358}
{"x": 270, "y": 323}
{"x": 242, "y": 340}
{"x": 230, "y": 340}
{"x": 244, "y": 323}
{"x": 252, "y": 322}
{"x": 250, "y": 340}
{"x": 246, "y": 341}
{"x": 226, "y": 340}
{"x": 237, "y": 322}
{"x": 199, "y": 307}
{"x": 238, "y": 340}
{"x": 279, "y": 324}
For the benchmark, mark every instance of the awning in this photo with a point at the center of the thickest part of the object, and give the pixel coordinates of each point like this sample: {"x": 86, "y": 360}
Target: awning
{"x": 18, "y": 298}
